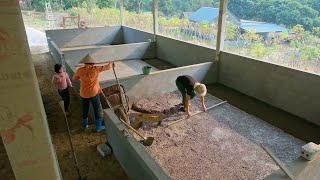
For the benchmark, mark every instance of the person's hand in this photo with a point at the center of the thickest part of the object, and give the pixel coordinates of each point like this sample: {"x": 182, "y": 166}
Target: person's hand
{"x": 189, "y": 114}
{"x": 204, "y": 109}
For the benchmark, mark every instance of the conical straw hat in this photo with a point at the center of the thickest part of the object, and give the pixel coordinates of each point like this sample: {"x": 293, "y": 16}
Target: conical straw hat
{"x": 88, "y": 60}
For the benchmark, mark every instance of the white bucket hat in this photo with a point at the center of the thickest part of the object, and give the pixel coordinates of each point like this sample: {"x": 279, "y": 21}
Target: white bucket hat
{"x": 200, "y": 89}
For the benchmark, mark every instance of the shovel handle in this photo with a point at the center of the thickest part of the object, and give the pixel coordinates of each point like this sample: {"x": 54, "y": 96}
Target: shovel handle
{"x": 130, "y": 127}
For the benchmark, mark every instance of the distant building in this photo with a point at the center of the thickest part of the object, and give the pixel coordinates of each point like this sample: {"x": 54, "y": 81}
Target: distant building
{"x": 211, "y": 15}
{"x": 267, "y": 30}
{"x": 185, "y": 15}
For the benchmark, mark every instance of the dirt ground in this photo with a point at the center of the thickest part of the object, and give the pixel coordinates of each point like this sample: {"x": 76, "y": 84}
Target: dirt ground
{"x": 223, "y": 143}
{"x": 92, "y": 164}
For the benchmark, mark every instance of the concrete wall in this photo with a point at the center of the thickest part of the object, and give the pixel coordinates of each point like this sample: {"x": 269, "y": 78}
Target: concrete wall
{"x": 132, "y": 35}
{"x": 23, "y": 125}
{"x": 131, "y": 154}
{"x": 88, "y": 36}
{"x": 160, "y": 82}
{"x": 144, "y": 50}
{"x": 55, "y": 51}
{"x": 291, "y": 90}
{"x": 175, "y": 52}
{"x": 180, "y": 53}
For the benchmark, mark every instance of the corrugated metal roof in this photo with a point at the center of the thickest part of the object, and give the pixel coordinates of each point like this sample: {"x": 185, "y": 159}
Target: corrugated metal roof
{"x": 209, "y": 14}
{"x": 205, "y": 14}
{"x": 260, "y": 27}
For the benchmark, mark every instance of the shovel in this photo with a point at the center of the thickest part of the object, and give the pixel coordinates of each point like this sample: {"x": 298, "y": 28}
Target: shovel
{"x": 146, "y": 141}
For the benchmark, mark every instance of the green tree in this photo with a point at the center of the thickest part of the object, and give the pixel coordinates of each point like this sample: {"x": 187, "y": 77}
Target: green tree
{"x": 166, "y": 7}
{"x": 105, "y": 3}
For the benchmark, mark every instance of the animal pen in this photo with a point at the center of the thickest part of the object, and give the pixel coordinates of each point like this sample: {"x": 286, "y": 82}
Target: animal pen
{"x": 222, "y": 143}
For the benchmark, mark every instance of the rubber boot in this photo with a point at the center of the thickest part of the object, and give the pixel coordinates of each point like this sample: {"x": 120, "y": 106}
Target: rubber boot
{"x": 85, "y": 124}
{"x": 99, "y": 126}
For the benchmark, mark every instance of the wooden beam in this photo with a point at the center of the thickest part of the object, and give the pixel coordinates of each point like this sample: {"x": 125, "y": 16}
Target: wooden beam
{"x": 121, "y": 12}
{"x": 155, "y": 19}
{"x": 221, "y": 28}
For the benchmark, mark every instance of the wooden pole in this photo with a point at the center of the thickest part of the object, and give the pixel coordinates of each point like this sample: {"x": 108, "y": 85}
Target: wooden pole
{"x": 155, "y": 19}
{"x": 121, "y": 13}
{"x": 175, "y": 122}
{"x": 221, "y": 31}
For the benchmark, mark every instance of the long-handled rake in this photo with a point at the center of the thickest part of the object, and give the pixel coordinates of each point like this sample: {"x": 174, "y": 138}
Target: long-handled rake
{"x": 175, "y": 122}
{"x": 70, "y": 140}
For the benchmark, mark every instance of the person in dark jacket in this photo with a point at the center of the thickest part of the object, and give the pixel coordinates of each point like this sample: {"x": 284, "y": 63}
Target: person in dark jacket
{"x": 188, "y": 88}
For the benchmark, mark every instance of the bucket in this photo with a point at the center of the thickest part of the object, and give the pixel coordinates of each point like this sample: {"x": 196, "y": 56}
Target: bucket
{"x": 146, "y": 70}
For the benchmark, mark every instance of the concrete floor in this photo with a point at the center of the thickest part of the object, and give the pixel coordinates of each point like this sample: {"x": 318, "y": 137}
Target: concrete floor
{"x": 293, "y": 125}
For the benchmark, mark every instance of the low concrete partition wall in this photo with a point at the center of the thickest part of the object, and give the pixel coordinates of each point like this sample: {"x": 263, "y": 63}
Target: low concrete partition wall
{"x": 294, "y": 91}
{"x": 55, "y": 51}
{"x": 160, "y": 82}
{"x": 132, "y": 35}
{"x": 131, "y": 154}
{"x": 144, "y": 50}
{"x": 181, "y": 53}
{"x": 85, "y": 37}
{"x": 176, "y": 52}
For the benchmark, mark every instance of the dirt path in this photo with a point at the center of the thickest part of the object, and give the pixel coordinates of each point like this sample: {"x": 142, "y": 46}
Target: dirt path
{"x": 92, "y": 165}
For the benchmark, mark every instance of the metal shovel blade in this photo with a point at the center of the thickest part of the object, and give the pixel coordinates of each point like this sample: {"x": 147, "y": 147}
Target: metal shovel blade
{"x": 148, "y": 141}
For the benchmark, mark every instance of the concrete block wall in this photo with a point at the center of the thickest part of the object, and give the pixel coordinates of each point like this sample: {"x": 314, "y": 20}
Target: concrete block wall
{"x": 160, "y": 82}
{"x": 132, "y": 156}
{"x": 55, "y": 51}
{"x": 176, "y": 52}
{"x": 294, "y": 91}
{"x": 181, "y": 53}
{"x": 144, "y": 50}
{"x": 132, "y": 35}
{"x": 87, "y": 36}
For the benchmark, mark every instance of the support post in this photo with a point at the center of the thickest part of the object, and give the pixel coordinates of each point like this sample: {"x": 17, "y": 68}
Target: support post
{"x": 221, "y": 28}
{"x": 121, "y": 12}
{"x": 23, "y": 124}
{"x": 155, "y": 19}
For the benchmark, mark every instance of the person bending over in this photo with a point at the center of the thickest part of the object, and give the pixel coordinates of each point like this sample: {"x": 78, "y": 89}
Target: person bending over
{"x": 188, "y": 88}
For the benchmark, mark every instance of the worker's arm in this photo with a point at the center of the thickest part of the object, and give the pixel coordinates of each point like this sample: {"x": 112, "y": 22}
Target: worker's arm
{"x": 76, "y": 76}
{"x": 187, "y": 105}
{"x": 68, "y": 80}
{"x": 104, "y": 68}
{"x": 203, "y": 105}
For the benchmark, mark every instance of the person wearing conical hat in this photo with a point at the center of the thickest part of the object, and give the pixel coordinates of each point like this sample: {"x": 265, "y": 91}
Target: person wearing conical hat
{"x": 188, "y": 88}
{"x": 90, "y": 89}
